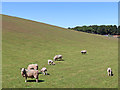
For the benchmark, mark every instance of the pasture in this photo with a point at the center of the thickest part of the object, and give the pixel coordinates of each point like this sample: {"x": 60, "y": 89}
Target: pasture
{"x": 25, "y": 42}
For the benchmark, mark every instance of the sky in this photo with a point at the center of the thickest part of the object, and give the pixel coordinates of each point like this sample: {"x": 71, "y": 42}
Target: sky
{"x": 60, "y": 0}
{"x": 65, "y": 14}
{"x": 119, "y": 13}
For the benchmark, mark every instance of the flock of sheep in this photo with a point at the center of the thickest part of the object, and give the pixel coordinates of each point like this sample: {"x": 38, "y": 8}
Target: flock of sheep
{"x": 32, "y": 70}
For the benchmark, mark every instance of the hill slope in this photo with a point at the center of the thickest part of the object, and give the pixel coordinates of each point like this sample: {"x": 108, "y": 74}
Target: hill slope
{"x": 26, "y": 42}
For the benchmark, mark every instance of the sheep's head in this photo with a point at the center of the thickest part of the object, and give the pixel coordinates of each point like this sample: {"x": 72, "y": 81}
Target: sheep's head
{"x": 23, "y": 72}
{"x": 41, "y": 70}
{"x": 36, "y": 67}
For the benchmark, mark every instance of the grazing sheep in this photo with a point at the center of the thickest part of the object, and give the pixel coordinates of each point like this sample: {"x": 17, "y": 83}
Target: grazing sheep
{"x": 44, "y": 70}
{"x": 29, "y": 74}
{"x": 58, "y": 57}
{"x": 32, "y": 66}
{"x": 109, "y": 71}
{"x": 50, "y": 62}
{"x": 84, "y": 51}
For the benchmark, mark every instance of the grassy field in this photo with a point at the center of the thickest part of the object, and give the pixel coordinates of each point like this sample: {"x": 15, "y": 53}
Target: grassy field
{"x": 25, "y": 42}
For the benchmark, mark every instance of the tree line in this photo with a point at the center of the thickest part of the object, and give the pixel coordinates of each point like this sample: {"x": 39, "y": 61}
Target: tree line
{"x": 102, "y": 29}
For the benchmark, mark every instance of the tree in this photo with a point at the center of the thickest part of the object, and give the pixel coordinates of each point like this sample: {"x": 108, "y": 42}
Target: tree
{"x": 102, "y": 29}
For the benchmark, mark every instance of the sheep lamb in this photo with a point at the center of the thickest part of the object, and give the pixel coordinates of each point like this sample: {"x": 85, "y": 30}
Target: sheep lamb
{"x": 44, "y": 70}
{"x": 50, "y": 62}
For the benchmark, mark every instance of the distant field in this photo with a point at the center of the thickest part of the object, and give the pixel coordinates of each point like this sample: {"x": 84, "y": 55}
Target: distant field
{"x": 25, "y": 42}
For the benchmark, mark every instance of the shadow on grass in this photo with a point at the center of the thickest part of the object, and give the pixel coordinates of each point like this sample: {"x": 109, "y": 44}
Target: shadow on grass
{"x": 60, "y": 60}
{"x": 47, "y": 74}
{"x": 40, "y": 72}
{"x": 85, "y": 54}
{"x": 35, "y": 80}
{"x": 112, "y": 74}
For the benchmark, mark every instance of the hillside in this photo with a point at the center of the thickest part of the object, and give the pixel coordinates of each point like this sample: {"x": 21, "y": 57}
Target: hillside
{"x": 25, "y": 42}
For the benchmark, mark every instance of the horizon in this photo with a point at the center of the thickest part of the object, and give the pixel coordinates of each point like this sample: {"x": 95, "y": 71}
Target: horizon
{"x": 63, "y": 14}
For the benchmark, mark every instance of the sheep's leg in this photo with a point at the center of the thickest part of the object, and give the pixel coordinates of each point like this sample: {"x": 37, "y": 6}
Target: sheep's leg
{"x": 36, "y": 76}
{"x": 37, "y": 68}
{"x": 46, "y": 73}
{"x": 108, "y": 74}
{"x": 48, "y": 63}
{"x": 25, "y": 79}
{"x": 37, "y": 80}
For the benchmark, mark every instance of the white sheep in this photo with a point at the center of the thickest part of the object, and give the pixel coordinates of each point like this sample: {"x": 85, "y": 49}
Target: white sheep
{"x": 50, "y": 62}
{"x": 58, "y": 57}
{"x": 44, "y": 70}
{"x": 109, "y": 71}
{"x": 84, "y": 51}
{"x": 33, "y": 66}
{"x": 29, "y": 74}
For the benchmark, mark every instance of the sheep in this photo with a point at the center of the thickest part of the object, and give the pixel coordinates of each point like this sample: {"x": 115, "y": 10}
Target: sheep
{"x": 58, "y": 57}
{"x": 33, "y": 66}
{"x": 44, "y": 70}
{"x": 29, "y": 74}
{"x": 84, "y": 51}
{"x": 109, "y": 71}
{"x": 50, "y": 62}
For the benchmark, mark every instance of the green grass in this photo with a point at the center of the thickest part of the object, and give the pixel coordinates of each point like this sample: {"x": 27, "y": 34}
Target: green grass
{"x": 25, "y": 42}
